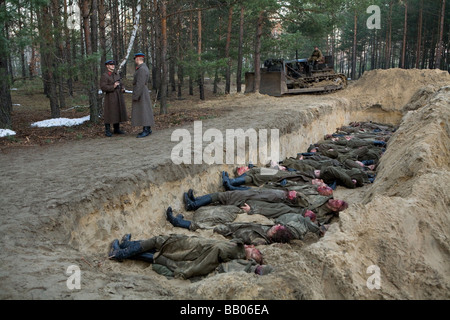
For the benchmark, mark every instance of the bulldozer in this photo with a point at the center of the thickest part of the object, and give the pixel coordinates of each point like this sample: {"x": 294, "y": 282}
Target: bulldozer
{"x": 279, "y": 77}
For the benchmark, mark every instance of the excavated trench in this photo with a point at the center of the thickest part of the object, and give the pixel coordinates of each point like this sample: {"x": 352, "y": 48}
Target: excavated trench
{"x": 142, "y": 211}
{"x": 387, "y": 224}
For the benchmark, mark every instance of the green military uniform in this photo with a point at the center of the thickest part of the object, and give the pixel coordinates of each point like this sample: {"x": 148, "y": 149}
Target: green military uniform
{"x": 247, "y": 232}
{"x": 309, "y": 165}
{"x": 316, "y": 56}
{"x": 298, "y": 225}
{"x": 208, "y": 217}
{"x": 188, "y": 257}
{"x": 344, "y": 177}
{"x": 254, "y": 233}
{"x": 258, "y": 176}
{"x": 240, "y": 197}
{"x": 271, "y": 210}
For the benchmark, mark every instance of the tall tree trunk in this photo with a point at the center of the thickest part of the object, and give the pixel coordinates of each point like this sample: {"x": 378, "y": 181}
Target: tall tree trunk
{"x": 419, "y": 35}
{"x": 171, "y": 56}
{"x": 387, "y": 56}
{"x": 355, "y": 30}
{"x": 48, "y": 53}
{"x": 90, "y": 23}
{"x": 114, "y": 5}
{"x": 5, "y": 93}
{"x": 241, "y": 41}
{"x": 180, "y": 59}
{"x": 200, "y": 80}
{"x": 144, "y": 30}
{"x": 22, "y": 50}
{"x": 158, "y": 50}
{"x": 95, "y": 97}
{"x": 259, "y": 28}
{"x": 102, "y": 30}
{"x": 216, "y": 75}
{"x": 67, "y": 51}
{"x": 191, "y": 39}
{"x": 440, "y": 46}
{"x": 32, "y": 66}
{"x": 153, "y": 43}
{"x": 403, "y": 65}
{"x": 163, "y": 101}
{"x": 122, "y": 34}
{"x": 227, "y": 52}
{"x": 60, "y": 53}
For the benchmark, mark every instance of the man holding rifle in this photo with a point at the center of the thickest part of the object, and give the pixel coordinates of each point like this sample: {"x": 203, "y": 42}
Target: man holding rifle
{"x": 115, "y": 110}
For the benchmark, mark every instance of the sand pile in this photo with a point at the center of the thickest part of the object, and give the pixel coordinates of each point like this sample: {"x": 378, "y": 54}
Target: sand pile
{"x": 393, "y": 88}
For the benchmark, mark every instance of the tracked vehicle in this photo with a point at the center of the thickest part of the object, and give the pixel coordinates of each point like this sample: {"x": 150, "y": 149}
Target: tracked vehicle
{"x": 279, "y": 77}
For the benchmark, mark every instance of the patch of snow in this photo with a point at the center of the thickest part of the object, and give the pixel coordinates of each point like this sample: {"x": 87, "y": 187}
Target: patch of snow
{"x": 6, "y": 132}
{"x": 60, "y": 122}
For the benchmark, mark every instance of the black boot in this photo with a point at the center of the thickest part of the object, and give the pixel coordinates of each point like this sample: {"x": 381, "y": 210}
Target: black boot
{"x": 233, "y": 184}
{"x": 146, "y": 256}
{"x": 108, "y": 132}
{"x": 177, "y": 221}
{"x": 191, "y": 194}
{"x": 226, "y": 180}
{"x": 125, "y": 241}
{"x": 237, "y": 182}
{"x": 117, "y": 129}
{"x": 199, "y": 202}
{"x": 146, "y": 131}
{"x": 133, "y": 248}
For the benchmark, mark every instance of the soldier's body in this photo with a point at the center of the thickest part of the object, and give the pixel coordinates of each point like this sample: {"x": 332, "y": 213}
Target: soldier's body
{"x": 186, "y": 256}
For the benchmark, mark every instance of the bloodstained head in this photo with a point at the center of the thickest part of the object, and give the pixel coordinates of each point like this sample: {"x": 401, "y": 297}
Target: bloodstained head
{"x": 311, "y": 215}
{"x": 252, "y": 253}
{"x": 337, "y": 205}
{"x": 325, "y": 190}
{"x": 241, "y": 170}
{"x": 279, "y": 233}
{"x": 292, "y": 195}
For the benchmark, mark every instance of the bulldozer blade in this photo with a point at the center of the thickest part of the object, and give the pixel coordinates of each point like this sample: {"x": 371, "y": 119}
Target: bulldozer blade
{"x": 272, "y": 83}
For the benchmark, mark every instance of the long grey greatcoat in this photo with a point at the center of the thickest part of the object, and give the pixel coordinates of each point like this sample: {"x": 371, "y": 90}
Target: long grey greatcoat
{"x": 142, "y": 112}
{"x": 114, "y": 103}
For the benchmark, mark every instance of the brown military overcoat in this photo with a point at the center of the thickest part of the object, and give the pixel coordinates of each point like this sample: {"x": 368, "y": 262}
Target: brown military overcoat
{"x": 114, "y": 103}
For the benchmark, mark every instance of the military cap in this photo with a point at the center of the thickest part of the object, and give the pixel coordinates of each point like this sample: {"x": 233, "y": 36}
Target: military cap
{"x": 139, "y": 55}
{"x": 110, "y": 62}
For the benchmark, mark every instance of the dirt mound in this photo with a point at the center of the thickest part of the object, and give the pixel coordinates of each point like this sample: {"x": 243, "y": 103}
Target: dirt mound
{"x": 394, "y": 88}
{"x": 404, "y": 225}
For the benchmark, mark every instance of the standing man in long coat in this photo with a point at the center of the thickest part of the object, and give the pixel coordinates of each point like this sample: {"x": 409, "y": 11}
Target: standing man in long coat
{"x": 115, "y": 110}
{"x": 142, "y": 112}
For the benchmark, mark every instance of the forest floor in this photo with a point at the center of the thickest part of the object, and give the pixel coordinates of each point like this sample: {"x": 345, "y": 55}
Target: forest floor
{"x": 31, "y": 105}
{"x": 66, "y": 193}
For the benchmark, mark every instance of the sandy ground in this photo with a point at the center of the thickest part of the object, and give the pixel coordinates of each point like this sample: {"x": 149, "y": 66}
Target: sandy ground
{"x": 62, "y": 205}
